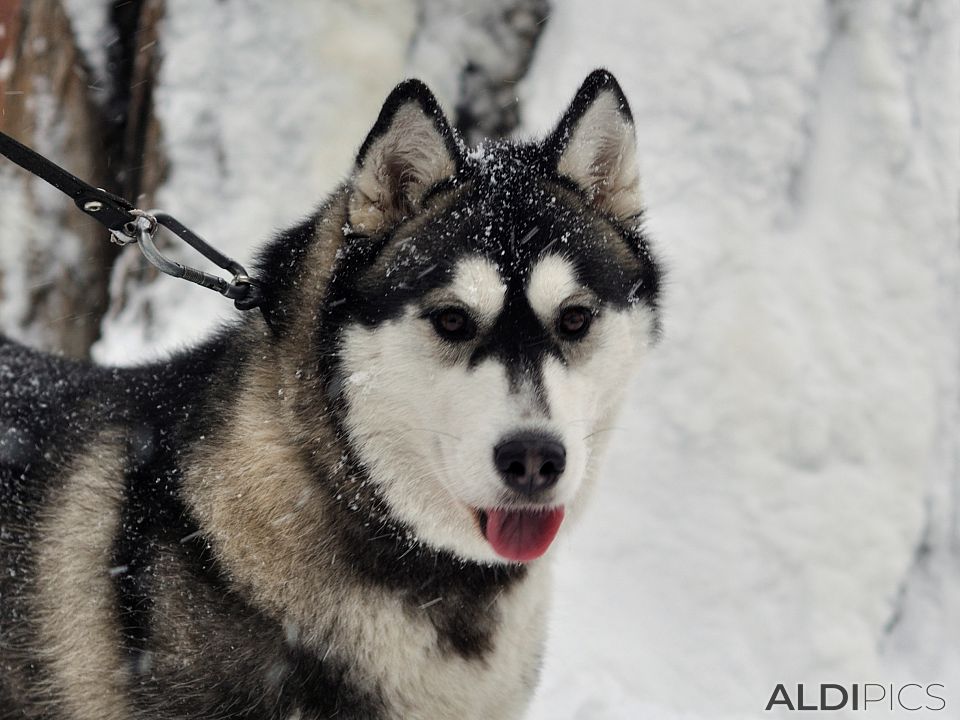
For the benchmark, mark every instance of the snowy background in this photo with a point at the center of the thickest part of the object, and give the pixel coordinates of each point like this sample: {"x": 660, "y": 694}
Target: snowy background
{"x": 782, "y": 501}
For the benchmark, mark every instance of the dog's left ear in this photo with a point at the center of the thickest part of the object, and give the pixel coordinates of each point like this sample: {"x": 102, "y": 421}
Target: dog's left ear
{"x": 595, "y": 146}
{"x": 410, "y": 148}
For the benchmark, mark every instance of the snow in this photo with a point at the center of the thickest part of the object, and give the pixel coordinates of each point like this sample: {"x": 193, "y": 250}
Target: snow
{"x": 781, "y": 501}
{"x": 89, "y": 21}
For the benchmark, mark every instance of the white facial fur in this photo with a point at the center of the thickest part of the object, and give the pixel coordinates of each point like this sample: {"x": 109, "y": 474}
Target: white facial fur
{"x": 426, "y": 426}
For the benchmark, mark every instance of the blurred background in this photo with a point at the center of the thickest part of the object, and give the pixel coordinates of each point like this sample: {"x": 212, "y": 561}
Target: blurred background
{"x": 782, "y": 500}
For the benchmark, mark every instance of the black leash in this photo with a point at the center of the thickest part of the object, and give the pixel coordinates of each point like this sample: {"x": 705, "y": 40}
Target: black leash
{"x": 128, "y": 225}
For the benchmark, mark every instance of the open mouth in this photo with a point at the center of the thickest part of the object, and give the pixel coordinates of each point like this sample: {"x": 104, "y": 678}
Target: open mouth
{"x": 520, "y": 534}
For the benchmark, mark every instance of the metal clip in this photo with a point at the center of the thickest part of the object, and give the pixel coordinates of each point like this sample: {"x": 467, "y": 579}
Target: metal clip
{"x": 131, "y": 231}
{"x": 145, "y": 228}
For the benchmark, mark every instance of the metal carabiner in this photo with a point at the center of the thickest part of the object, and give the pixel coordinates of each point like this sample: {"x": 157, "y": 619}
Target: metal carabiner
{"x": 145, "y": 227}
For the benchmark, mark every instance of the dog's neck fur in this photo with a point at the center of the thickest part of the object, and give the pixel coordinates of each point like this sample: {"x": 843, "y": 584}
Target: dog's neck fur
{"x": 282, "y": 524}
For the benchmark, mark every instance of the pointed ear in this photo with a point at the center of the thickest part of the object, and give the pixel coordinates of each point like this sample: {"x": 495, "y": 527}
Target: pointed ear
{"x": 410, "y": 148}
{"x": 595, "y": 146}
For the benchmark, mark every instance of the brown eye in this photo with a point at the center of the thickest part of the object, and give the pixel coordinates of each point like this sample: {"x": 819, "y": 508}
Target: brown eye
{"x": 454, "y": 324}
{"x": 574, "y": 322}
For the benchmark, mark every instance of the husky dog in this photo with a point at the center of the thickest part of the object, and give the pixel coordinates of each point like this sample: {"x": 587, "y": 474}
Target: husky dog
{"x": 338, "y": 509}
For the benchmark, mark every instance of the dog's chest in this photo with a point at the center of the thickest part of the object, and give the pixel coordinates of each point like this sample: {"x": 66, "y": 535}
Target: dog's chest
{"x": 420, "y": 677}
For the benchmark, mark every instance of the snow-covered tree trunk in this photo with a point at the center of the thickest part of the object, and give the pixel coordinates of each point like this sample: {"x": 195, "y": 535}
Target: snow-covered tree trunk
{"x": 54, "y": 262}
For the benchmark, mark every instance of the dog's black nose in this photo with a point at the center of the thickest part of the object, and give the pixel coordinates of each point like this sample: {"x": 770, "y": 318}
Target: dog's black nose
{"x": 530, "y": 464}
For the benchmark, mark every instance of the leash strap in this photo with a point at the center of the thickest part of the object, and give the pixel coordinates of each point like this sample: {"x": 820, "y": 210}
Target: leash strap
{"x": 127, "y": 225}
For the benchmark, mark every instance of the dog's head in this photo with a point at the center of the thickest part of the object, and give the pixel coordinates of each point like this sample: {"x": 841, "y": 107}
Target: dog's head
{"x": 487, "y": 308}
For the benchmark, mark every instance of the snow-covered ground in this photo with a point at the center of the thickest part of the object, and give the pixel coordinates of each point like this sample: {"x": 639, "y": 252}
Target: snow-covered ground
{"x": 781, "y": 502}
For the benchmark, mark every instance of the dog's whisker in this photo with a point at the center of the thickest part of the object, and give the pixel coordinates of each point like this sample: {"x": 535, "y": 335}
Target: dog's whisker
{"x": 405, "y": 431}
{"x": 603, "y": 430}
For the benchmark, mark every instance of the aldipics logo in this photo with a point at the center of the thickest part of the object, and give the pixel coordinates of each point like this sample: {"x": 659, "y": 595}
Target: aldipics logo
{"x": 859, "y": 696}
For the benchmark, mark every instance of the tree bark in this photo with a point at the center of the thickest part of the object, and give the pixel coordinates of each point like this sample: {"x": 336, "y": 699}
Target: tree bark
{"x": 54, "y": 281}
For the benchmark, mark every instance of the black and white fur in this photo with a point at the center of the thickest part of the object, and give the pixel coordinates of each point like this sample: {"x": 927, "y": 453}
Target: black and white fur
{"x": 286, "y": 522}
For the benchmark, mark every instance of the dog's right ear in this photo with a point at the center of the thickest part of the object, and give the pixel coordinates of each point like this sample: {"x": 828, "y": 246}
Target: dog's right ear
{"x": 410, "y": 148}
{"x": 595, "y": 146}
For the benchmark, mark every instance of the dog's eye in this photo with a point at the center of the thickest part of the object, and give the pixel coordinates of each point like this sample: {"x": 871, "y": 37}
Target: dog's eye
{"x": 454, "y": 324}
{"x": 574, "y": 322}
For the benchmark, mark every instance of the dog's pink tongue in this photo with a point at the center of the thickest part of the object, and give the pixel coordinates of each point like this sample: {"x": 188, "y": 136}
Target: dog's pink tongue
{"x": 522, "y": 535}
